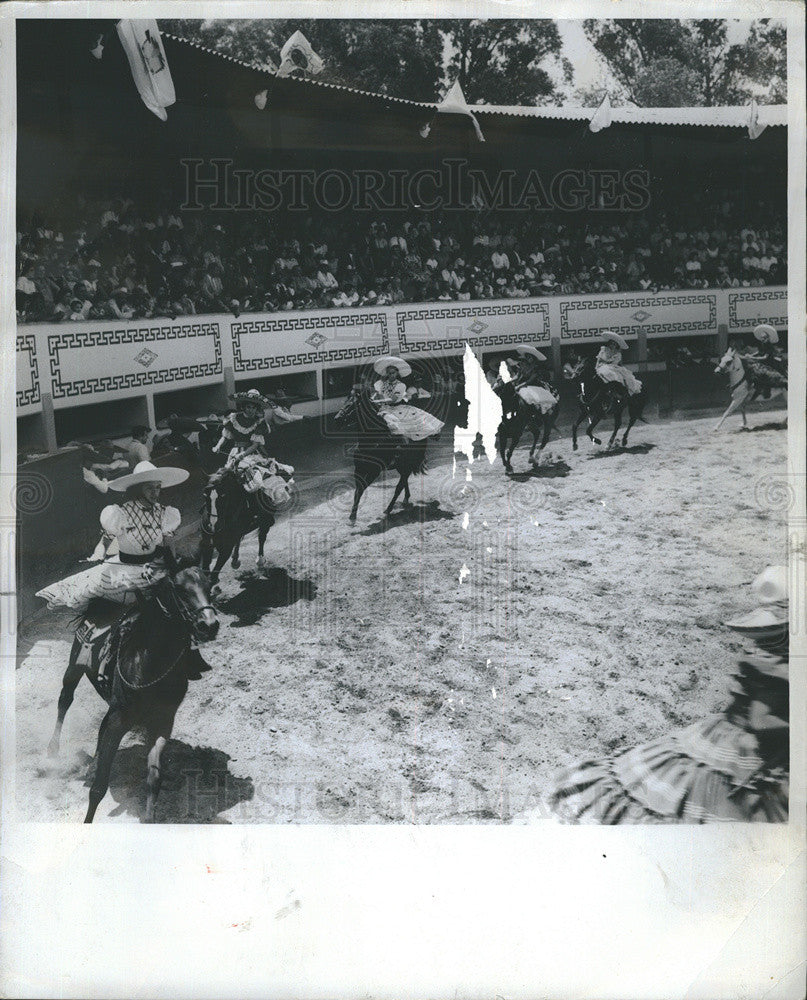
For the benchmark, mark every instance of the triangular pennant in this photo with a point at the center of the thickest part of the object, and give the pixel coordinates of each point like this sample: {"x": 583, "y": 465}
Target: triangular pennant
{"x": 307, "y": 59}
{"x": 454, "y": 103}
{"x": 144, "y": 49}
{"x": 602, "y": 116}
{"x": 755, "y": 130}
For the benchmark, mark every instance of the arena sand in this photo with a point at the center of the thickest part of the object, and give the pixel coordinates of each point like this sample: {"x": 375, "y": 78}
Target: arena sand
{"x": 438, "y": 668}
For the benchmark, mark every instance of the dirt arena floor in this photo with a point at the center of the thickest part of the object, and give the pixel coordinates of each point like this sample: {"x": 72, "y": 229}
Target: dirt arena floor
{"x": 438, "y": 667}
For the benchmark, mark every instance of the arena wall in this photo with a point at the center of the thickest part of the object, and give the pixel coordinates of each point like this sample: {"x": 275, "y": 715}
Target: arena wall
{"x": 61, "y": 367}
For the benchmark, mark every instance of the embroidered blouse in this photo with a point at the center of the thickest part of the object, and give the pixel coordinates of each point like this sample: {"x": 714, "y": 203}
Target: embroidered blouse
{"x": 245, "y": 434}
{"x": 139, "y": 528}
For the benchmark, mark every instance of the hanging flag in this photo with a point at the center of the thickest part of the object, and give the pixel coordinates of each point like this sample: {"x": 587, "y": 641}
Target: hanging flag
{"x": 602, "y": 116}
{"x": 144, "y": 49}
{"x": 307, "y": 59}
{"x": 755, "y": 130}
{"x": 98, "y": 51}
{"x": 260, "y": 99}
{"x": 454, "y": 103}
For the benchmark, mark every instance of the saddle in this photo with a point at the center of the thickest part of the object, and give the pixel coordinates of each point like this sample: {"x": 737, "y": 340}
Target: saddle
{"x": 100, "y": 632}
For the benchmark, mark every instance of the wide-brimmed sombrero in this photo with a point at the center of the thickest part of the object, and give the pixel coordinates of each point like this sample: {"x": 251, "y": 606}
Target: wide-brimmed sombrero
{"x": 770, "y": 618}
{"x": 532, "y": 352}
{"x": 145, "y": 472}
{"x": 621, "y": 343}
{"x": 252, "y": 396}
{"x": 388, "y": 361}
{"x": 766, "y": 334}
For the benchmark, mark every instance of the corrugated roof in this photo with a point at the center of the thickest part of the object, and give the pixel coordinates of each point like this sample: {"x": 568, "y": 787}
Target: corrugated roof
{"x": 734, "y": 117}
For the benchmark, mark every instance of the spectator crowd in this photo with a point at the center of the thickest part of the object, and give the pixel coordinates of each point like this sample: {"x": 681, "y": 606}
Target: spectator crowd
{"x": 114, "y": 260}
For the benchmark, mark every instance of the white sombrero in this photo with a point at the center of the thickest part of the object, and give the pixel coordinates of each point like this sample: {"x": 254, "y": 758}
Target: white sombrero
{"x": 532, "y": 352}
{"x": 766, "y": 334}
{"x": 621, "y": 343}
{"x": 771, "y": 590}
{"x": 388, "y": 361}
{"x": 145, "y": 472}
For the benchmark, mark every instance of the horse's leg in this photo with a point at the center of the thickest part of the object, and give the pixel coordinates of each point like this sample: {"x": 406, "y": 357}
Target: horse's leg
{"x": 549, "y": 423}
{"x": 736, "y": 402}
{"x": 72, "y": 676}
{"x": 617, "y": 422}
{"x": 515, "y": 437}
{"x": 113, "y": 729}
{"x": 235, "y": 558}
{"x": 633, "y": 416}
{"x": 363, "y": 479}
{"x": 399, "y": 487}
{"x": 536, "y": 433}
{"x": 581, "y": 416}
{"x": 593, "y": 420}
{"x": 159, "y": 735}
{"x": 263, "y": 530}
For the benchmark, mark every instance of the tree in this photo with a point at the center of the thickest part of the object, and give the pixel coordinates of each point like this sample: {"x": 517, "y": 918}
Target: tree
{"x": 699, "y": 65}
{"x": 666, "y": 83}
{"x": 504, "y": 62}
{"x": 398, "y": 58}
{"x": 496, "y": 62}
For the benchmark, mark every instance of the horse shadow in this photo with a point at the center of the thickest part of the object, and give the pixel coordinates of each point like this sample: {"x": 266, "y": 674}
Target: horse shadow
{"x": 633, "y": 449}
{"x": 197, "y": 785}
{"x": 551, "y": 470}
{"x": 416, "y": 513}
{"x": 776, "y": 425}
{"x": 271, "y": 588}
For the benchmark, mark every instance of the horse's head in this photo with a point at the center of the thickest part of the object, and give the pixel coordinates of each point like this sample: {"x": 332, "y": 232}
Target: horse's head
{"x": 726, "y": 363}
{"x": 347, "y": 413}
{"x": 576, "y": 367}
{"x": 186, "y": 593}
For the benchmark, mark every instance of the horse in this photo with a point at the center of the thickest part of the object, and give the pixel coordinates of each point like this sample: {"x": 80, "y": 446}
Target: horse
{"x": 744, "y": 386}
{"x": 598, "y": 398}
{"x": 229, "y": 513}
{"x": 518, "y": 414}
{"x": 377, "y": 450}
{"x": 150, "y": 667}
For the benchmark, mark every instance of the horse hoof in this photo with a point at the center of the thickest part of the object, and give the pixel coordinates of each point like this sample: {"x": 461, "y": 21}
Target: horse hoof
{"x": 236, "y": 563}
{"x": 53, "y": 750}
{"x": 352, "y": 519}
{"x": 260, "y": 562}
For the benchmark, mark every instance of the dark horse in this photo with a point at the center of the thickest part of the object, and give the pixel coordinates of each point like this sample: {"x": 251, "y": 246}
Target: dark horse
{"x": 149, "y": 674}
{"x": 598, "y": 398}
{"x": 377, "y": 449}
{"x": 228, "y": 514}
{"x": 518, "y": 414}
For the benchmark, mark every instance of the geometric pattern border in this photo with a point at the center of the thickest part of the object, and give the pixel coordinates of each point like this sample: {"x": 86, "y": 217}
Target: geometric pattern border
{"x": 339, "y": 321}
{"x": 26, "y": 344}
{"x": 95, "y": 339}
{"x": 757, "y": 295}
{"x": 471, "y": 312}
{"x": 641, "y": 302}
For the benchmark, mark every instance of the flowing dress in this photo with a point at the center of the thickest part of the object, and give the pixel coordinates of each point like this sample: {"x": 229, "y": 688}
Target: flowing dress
{"x": 731, "y": 766}
{"x": 609, "y": 367}
{"x": 407, "y": 421}
{"x": 139, "y": 529}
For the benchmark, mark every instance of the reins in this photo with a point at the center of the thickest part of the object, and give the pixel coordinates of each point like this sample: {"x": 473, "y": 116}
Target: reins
{"x": 167, "y": 613}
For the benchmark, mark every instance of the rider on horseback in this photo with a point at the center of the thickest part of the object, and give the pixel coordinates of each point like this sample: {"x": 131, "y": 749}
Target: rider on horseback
{"x": 141, "y": 527}
{"x": 532, "y": 382}
{"x": 609, "y": 367}
{"x": 765, "y": 364}
{"x": 247, "y": 435}
{"x": 391, "y": 396}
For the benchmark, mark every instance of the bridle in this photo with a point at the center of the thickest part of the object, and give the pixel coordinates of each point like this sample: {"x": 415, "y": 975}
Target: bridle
{"x": 186, "y": 614}
{"x": 739, "y": 382}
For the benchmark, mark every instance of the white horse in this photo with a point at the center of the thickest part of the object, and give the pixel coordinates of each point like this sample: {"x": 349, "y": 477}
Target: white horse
{"x": 743, "y": 390}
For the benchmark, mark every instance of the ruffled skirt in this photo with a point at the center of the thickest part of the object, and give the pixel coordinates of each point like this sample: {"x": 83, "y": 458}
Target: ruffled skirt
{"x": 709, "y": 772}
{"x": 539, "y": 397}
{"x": 616, "y": 373}
{"x": 410, "y": 422}
{"x": 111, "y": 580}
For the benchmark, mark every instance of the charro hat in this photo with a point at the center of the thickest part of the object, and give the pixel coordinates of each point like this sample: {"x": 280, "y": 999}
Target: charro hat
{"x": 766, "y": 334}
{"x": 251, "y": 396}
{"x": 532, "y": 352}
{"x": 388, "y": 361}
{"x": 621, "y": 343}
{"x": 770, "y": 618}
{"x": 145, "y": 472}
